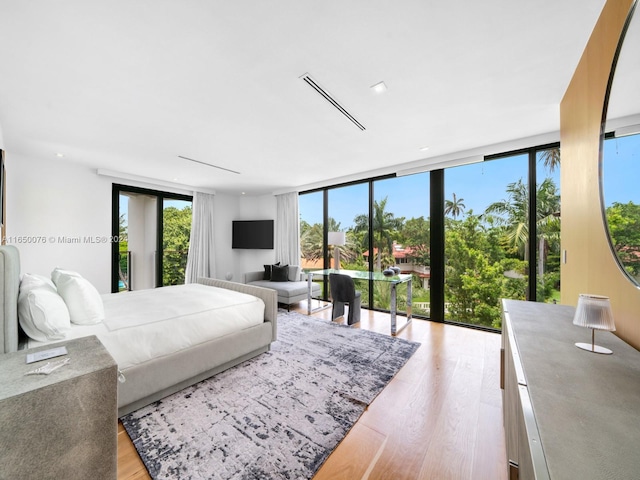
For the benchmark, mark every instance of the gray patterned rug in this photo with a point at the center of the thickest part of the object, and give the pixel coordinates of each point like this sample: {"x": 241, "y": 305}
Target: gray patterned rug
{"x": 278, "y": 415}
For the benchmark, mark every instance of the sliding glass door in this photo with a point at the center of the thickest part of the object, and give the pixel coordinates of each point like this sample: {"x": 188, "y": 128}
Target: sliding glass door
{"x": 152, "y": 230}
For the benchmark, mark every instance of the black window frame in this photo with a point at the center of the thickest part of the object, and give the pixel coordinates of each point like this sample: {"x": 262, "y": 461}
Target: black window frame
{"x": 160, "y": 195}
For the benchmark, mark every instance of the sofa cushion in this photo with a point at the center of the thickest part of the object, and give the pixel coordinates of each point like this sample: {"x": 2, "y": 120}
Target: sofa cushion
{"x": 294, "y": 273}
{"x": 288, "y": 289}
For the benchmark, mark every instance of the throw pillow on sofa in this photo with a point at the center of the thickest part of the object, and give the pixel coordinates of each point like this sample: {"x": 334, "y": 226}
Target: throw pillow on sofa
{"x": 268, "y": 269}
{"x": 280, "y": 273}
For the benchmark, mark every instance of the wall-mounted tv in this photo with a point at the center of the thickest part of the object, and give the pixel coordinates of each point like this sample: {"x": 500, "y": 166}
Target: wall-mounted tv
{"x": 252, "y": 234}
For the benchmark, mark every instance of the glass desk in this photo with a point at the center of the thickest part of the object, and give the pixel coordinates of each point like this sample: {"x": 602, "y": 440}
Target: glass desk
{"x": 393, "y": 281}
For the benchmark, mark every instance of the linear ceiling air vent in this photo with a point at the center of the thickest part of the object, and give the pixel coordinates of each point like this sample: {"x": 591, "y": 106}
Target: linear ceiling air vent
{"x": 313, "y": 84}
{"x": 207, "y": 164}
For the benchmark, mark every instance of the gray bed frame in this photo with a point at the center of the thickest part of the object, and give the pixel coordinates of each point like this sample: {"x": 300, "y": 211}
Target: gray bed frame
{"x": 157, "y": 378}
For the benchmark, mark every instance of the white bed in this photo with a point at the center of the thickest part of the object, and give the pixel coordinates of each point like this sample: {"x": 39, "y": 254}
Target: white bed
{"x": 163, "y": 339}
{"x": 141, "y": 326}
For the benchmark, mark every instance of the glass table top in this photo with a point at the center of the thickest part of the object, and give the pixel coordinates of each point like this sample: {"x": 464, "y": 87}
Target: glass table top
{"x": 362, "y": 275}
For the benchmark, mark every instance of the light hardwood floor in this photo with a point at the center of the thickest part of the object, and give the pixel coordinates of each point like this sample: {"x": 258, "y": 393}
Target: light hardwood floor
{"x": 439, "y": 418}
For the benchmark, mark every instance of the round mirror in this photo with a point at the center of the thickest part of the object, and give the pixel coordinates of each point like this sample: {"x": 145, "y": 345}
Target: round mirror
{"x": 620, "y": 152}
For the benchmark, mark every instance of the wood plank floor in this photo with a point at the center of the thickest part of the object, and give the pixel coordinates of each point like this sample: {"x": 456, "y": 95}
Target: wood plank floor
{"x": 439, "y": 418}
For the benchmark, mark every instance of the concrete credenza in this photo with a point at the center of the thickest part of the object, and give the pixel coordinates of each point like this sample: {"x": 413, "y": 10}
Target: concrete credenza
{"x": 568, "y": 413}
{"x": 61, "y": 425}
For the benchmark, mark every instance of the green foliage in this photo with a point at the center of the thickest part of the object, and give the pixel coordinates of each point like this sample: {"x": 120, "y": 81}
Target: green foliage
{"x": 416, "y": 232}
{"x": 624, "y": 229}
{"x": 385, "y": 230}
{"x": 123, "y": 247}
{"x": 175, "y": 243}
{"x": 485, "y": 254}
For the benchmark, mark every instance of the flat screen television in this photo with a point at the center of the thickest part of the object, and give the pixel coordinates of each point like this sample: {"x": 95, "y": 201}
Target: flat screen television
{"x": 252, "y": 234}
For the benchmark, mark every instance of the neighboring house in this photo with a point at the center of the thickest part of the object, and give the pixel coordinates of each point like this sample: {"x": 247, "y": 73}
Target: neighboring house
{"x": 404, "y": 259}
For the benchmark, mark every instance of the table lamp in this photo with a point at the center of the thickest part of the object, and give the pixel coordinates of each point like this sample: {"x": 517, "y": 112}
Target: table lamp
{"x": 337, "y": 239}
{"x": 594, "y": 312}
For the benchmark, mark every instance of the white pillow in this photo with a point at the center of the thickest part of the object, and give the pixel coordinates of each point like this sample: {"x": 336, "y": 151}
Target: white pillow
{"x": 82, "y": 299}
{"x": 42, "y": 313}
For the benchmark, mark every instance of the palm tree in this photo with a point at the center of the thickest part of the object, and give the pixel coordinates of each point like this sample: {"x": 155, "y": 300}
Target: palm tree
{"x": 385, "y": 228}
{"x": 454, "y": 207}
{"x": 551, "y": 158}
{"x": 515, "y": 212}
{"x": 311, "y": 238}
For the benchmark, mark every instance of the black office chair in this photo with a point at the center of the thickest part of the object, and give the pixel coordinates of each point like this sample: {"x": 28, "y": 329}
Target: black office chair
{"x": 344, "y": 291}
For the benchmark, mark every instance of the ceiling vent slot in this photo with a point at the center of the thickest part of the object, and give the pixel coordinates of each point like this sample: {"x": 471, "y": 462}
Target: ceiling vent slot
{"x": 313, "y": 84}
{"x": 208, "y": 164}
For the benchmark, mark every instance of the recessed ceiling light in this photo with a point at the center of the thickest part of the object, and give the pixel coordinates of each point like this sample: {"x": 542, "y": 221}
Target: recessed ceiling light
{"x": 60, "y": 155}
{"x": 379, "y": 87}
{"x": 175, "y": 179}
{"x": 425, "y": 148}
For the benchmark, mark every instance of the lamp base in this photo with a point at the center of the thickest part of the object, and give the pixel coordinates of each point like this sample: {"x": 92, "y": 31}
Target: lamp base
{"x": 594, "y": 348}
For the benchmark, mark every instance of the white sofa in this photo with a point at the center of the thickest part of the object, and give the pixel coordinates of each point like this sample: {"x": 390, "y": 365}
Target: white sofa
{"x": 292, "y": 291}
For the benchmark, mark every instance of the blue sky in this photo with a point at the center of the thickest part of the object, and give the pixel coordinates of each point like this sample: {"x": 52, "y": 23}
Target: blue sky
{"x": 479, "y": 185}
{"x": 621, "y": 170}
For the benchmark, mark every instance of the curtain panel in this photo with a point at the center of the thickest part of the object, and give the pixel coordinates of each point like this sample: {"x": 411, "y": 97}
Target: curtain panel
{"x": 287, "y": 229}
{"x": 201, "y": 257}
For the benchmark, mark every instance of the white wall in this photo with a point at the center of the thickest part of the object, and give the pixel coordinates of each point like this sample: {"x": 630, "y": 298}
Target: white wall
{"x": 52, "y": 199}
{"x": 56, "y": 213}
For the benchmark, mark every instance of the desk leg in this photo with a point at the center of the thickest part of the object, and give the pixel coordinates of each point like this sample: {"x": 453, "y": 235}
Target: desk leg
{"x": 393, "y": 308}
{"x": 394, "y": 305}
{"x": 309, "y": 284}
{"x": 310, "y": 296}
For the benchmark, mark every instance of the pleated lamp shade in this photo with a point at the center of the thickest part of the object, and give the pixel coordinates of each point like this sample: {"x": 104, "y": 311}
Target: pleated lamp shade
{"x": 594, "y": 311}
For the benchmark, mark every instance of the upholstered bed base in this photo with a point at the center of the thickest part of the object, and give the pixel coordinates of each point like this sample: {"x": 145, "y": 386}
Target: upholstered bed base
{"x": 163, "y": 376}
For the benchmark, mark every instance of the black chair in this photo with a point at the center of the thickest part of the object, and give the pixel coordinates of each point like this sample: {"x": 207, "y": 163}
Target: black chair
{"x": 344, "y": 291}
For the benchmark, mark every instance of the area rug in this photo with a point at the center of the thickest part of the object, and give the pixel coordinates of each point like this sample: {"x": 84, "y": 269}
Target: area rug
{"x": 276, "y": 416}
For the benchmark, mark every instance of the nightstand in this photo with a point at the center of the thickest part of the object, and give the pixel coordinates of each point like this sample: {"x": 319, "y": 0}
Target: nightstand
{"x": 61, "y": 425}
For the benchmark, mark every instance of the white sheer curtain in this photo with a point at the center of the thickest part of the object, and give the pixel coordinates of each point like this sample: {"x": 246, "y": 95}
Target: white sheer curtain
{"x": 287, "y": 229}
{"x": 201, "y": 258}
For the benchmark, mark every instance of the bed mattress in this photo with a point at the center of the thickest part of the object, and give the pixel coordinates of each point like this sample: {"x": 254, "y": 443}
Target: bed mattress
{"x": 143, "y": 325}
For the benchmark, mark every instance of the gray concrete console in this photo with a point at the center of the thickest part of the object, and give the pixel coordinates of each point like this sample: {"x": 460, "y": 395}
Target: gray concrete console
{"x": 568, "y": 413}
{"x": 61, "y": 425}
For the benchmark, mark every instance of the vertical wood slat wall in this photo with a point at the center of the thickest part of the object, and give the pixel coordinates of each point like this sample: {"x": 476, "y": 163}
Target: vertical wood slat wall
{"x": 590, "y": 265}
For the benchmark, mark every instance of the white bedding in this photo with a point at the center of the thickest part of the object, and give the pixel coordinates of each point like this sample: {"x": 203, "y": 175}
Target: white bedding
{"x": 146, "y": 324}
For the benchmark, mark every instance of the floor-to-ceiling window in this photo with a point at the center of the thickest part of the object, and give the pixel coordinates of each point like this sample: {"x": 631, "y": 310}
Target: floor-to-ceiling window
{"x": 176, "y": 230}
{"x": 312, "y": 242}
{"x": 152, "y": 229}
{"x": 548, "y": 221}
{"x": 348, "y": 212}
{"x": 486, "y": 238}
{"x": 466, "y": 228}
{"x": 401, "y": 236}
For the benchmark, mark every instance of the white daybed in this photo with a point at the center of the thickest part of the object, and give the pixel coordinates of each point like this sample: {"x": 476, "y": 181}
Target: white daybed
{"x": 165, "y": 339}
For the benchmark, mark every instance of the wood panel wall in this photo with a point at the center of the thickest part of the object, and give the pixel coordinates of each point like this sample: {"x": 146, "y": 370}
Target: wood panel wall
{"x": 590, "y": 265}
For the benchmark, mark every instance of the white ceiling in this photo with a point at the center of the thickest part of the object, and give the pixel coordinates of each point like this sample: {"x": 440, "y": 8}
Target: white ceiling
{"x": 129, "y": 85}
